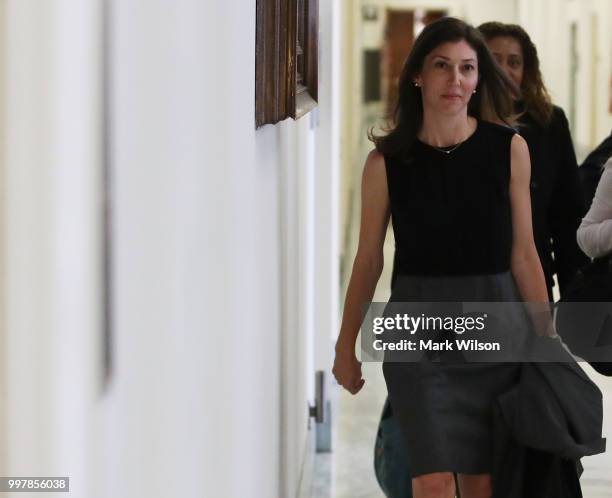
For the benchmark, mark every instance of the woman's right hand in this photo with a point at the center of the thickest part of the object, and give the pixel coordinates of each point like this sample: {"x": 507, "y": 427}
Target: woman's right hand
{"x": 367, "y": 267}
{"x": 347, "y": 370}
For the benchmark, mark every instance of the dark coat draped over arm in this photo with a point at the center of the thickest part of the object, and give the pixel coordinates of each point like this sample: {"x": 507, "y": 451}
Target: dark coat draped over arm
{"x": 542, "y": 427}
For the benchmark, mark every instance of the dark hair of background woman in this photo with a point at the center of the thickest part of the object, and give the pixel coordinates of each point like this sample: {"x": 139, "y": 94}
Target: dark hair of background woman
{"x": 537, "y": 101}
{"x": 492, "y": 100}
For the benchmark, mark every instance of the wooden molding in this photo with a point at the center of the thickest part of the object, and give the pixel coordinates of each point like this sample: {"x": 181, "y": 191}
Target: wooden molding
{"x": 276, "y": 58}
{"x": 312, "y": 48}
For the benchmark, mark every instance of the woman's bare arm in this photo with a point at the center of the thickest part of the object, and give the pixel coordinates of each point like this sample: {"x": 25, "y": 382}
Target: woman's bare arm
{"x": 369, "y": 260}
{"x": 525, "y": 263}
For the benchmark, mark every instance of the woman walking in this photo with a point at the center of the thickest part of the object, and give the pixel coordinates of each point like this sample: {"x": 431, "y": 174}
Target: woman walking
{"x": 456, "y": 187}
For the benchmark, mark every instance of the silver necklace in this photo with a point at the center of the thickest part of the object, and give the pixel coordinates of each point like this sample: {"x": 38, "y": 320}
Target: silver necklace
{"x": 447, "y": 151}
{"x": 455, "y": 147}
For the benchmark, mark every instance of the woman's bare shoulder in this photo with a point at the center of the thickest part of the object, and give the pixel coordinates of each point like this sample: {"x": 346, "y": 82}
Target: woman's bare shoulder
{"x": 519, "y": 144}
{"x": 519, "y": 148}
{"x": 374, "y": 180}
{"x": 520, "y": 161}
{"x": 375, "y": 163}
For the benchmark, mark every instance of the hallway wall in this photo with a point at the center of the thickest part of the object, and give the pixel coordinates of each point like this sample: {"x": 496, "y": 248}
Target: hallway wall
{"x": 3, "y": 393}
{"x": 50, "y": 238}
{"x": 196, "y": 218}
{"x": 224, "y": 247}
{"x": 215, "y": 258}
{"x": 549, "y": 24}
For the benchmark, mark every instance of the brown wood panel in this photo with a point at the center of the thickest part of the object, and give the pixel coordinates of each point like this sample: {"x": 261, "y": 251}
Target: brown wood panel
{"x": 289, "y": 41}
{"x": 276, "y": 57}
{"x": 433, "y": 15}
{"x": 399, "y": 37}
{"x": 312, "y": 48}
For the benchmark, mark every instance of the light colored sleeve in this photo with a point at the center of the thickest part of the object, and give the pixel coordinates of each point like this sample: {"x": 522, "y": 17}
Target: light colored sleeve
{"x": 594, "y": 235}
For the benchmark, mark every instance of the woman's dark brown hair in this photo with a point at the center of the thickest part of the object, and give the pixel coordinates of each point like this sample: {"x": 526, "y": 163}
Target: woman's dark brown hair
{"x": 536, "y": 99}
{"x": 492, "y": 100}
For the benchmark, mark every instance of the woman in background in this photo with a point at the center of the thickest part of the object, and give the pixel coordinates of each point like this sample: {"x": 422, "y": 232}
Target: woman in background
{"x": 595, "y": 232}
{"x": 556, "y": 195}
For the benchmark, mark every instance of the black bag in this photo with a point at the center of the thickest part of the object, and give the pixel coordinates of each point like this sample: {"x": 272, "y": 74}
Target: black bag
{"x": 391, "y": 464}
{"x": 580, "y": 326}
{"x": 391, "y": 457}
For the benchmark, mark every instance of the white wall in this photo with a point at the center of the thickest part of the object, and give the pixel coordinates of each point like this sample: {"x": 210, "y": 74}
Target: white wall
{"x": 327, "y": 188}
{"x": 222, "y": 237}
{"x": 197, "y": 390}
{"x": 217, "y": 257}
{"x": 350, "y": 113}
{"x": 51, "y": 238}
{"x": 26, "y": 242}
{"x": 602, "y": 126}
{"x": 3, "y": 373}
{"x": 548, "y": 23}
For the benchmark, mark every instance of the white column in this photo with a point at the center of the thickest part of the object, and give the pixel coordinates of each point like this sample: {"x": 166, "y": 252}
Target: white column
{"x": 52, "y": 228}
{"x": 3, "y": 242}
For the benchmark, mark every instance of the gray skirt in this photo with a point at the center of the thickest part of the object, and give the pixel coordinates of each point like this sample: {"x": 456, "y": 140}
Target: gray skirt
{"x": 443, "y": 408}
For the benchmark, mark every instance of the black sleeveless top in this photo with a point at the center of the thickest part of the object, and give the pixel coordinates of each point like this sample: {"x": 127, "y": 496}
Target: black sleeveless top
{"x": 451, "y": 212}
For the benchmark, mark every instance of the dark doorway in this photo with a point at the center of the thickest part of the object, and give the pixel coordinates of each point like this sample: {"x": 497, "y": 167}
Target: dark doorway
{"x": 402, "y": 26}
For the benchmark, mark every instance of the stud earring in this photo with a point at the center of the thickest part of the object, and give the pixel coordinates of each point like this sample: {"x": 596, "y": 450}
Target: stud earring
{"x": 416, "y": 84}
{"x": 474, "y": 91}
